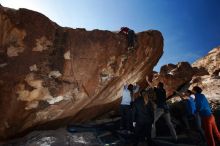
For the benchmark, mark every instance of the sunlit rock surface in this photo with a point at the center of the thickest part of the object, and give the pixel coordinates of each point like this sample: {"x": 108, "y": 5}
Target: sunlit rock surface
{"x": 51, "y": 73}
{"x": 211, "y": 62}
{"x": 205, "y": 73}
{"x": 209, "y": 83}
{"x": 173, "y": 76}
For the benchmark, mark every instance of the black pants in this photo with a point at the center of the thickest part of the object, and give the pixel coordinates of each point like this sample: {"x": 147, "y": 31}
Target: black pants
{"x": 196, "y": 119}
{"x": 131, "y": 38}
{"x": 126, "y": 122}
{"x": 141, "y": 131}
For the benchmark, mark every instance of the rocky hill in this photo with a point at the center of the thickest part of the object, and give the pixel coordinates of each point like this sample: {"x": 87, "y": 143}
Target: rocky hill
{"x": 52, "y": 74}
{"x": 211, "y": 62}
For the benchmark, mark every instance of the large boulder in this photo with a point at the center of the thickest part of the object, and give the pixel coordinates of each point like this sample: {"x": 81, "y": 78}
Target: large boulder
{"x": 50, "y": 73}
{"x": 174, "y": 76}
{"x": 204, "y": 72}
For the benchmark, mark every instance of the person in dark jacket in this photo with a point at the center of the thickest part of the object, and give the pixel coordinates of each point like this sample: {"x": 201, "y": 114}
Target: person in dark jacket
{"x": 143, "y": 116}
{"x": 208, "y": 120}
{"x": 130, "y": 36}
{"x": 162, "y": 110}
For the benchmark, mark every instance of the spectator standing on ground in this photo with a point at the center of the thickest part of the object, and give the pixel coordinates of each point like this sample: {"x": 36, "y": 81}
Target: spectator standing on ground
{"x": 190, "y": 112}
{"x": 208, "y": 120}
{"x": 162, "y": 110}
{"x": 125, "y": 106}
{"x": 143, "y": 116}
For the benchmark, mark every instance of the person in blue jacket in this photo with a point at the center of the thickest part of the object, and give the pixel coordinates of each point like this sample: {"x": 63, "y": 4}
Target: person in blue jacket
{"x": 190, "y": 112}
{"x": 208, "y": 120}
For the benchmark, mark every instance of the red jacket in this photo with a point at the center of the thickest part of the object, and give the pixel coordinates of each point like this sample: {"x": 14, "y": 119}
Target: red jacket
{"x": 124, "y": 30}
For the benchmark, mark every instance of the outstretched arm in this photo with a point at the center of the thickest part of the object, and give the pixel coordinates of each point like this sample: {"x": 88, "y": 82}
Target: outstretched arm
{"x": 136, "y": 88}
{"x": 179, "y": 94}
{"x": 125, "y": 84}
{"x": 149, "y": 83}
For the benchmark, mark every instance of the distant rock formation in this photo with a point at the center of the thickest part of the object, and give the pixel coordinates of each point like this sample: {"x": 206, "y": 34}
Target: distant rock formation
{"x": 204, "y": 73}
{"x": 51, "y": 73}
{"x": 210, "y": 83}
{"x": 211, "y": 62}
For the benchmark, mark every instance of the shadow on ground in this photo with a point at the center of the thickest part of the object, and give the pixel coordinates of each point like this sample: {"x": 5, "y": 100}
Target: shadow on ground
{"x": 98, "y": 133}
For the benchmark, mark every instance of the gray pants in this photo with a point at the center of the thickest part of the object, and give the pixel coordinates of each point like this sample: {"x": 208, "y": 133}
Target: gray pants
{"x": 166, "y": 115}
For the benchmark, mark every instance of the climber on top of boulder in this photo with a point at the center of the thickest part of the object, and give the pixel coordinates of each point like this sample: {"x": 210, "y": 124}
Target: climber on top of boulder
{"x": 130, "y": 37}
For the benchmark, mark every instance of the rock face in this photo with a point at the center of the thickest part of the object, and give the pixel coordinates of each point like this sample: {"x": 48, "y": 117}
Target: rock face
{"x": 50, "y": 73}
{"x": 210, "y": 62}
{"x": 210, "y": 83}
{"x": 174, "y": 76}
{"x": 204, "y": 73}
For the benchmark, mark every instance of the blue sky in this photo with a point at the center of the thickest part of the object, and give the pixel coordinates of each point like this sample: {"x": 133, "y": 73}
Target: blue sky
{"x": 191, "y": 28}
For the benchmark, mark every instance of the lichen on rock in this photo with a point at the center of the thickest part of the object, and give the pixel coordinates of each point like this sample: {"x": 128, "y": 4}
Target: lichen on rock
{"x": 33, "y": 67}
{"x": 42, "y": 44}
{"x": 67, "y": 55}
